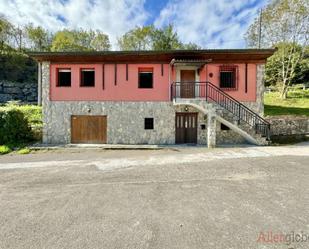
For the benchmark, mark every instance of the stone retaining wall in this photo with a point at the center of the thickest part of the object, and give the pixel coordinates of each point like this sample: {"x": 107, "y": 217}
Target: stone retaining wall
{"x": 289, "y": 125}
{"x": 24, "y": 92}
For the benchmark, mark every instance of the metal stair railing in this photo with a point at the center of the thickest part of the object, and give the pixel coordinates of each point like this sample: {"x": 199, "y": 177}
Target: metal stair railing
{"x": 211, "y": 93}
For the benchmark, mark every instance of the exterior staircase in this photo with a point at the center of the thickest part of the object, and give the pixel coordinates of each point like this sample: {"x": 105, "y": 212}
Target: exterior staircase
{"x": 227, "y": 109}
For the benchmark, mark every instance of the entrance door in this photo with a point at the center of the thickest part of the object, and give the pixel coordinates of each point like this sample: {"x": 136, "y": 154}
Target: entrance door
{"x": 186, "y": 127}
{"x": 187, "y": 78}
{"x": 88, "y": 129}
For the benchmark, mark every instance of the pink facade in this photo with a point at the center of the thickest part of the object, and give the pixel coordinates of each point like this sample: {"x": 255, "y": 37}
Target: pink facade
{"x": 122, "y": 89}
{"x": 125, "y": 86}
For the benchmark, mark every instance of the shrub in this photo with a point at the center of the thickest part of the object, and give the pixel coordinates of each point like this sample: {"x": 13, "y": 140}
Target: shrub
{"x": 4, "y": 149}
{"x": 32, "y": 118}
{"x": 14, "y": 127}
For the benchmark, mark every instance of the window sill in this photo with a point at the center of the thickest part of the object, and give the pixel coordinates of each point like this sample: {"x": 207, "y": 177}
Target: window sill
{"x": 228, "y": 89}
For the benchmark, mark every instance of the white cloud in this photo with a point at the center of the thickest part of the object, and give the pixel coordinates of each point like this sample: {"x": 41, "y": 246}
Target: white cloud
{"x": 114, "y": 17}
{"x": 211, "y": 23}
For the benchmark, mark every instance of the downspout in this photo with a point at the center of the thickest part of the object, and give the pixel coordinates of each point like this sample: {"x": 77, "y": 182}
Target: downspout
{"x": 170, "y": 78}
{"x": 40, "y": 83}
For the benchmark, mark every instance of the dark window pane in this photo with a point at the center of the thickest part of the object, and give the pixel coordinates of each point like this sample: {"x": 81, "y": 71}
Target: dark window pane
{"x": 148, "y": 123}
{"x": 87, "y": 77}
{"x": 145, "y": 80}
{"x": 227, "y": 80}
{"x": 64, "y": 77}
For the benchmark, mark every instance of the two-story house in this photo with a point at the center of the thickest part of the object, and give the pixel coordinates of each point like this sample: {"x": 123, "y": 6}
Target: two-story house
{"x": 153, "y": 97}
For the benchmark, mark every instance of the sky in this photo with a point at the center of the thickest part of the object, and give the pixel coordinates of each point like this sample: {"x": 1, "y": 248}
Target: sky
{"x": 208, "y": 23}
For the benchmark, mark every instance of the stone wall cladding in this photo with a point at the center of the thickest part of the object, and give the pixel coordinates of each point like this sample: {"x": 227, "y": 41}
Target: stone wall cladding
{"x": 289, "y": 125}
{"x": 228, "y": 136}
{"x": 125, "y": 121}
{"x": 24, "y": 92}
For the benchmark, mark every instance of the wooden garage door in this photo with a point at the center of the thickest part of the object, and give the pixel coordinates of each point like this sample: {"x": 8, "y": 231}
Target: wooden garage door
{"x": 88, "y": 129}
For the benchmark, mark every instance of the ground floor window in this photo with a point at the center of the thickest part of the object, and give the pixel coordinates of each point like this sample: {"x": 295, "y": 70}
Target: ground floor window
{"x": 148, "y": 123}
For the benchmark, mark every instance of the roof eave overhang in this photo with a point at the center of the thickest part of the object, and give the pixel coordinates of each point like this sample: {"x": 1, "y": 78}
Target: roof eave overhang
{"x": 224, "y": 55}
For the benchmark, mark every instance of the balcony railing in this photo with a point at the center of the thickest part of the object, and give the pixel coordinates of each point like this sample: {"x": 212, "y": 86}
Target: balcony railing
{"x": 211, "y": 93}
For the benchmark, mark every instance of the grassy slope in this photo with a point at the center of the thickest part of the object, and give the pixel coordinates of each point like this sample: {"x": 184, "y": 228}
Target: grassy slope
{"x": 297, "y": 103}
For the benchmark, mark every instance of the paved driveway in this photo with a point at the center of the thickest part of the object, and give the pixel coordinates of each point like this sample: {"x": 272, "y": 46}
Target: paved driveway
{"x": 171, "y": 198}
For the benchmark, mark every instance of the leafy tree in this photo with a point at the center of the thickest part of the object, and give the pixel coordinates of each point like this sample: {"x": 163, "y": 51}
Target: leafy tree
{"x": 139, "y": 38}
{"x": 190, "y": 46}
{"x": 5, "y": 32}
{"x": 65, "y": 40}
{"x": 285, "y": 23}
{"x": 166, "y": 39}
{"x": 100, "y": 42}
{"x": 39, "y": 37}
{"x": 151, "y": 38}
{"x": 80, "y": 40}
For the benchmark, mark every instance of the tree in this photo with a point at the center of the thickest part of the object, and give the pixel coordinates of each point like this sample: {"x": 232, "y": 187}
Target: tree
{"x": 166, "y": 39}
{"x": 273, "y": 70}
{"x": 38, "y": 37}
{"x": 100, "y": 42}
{"x": 285, "y": 23}
{"x": 5, "y": 30}
{"x": 80, "y": 40}
{"x": 151, "y": 38}
{"x": 190, "y": 46}
{"x": 139, "y": 38}
{"x": 64, "y": 41}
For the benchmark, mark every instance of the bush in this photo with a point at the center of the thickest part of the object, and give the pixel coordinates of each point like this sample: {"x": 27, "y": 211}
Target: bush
{"x": 14, "y": 127}
{"x": 4, "y": 149}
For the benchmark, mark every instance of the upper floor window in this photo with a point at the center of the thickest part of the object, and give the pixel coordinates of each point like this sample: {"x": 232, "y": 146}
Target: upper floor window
{"x": 64, "y": 77}
{"x": 228, "y": 77}
{"x": 145, "y": 78}
{"x": 87, "y": 77}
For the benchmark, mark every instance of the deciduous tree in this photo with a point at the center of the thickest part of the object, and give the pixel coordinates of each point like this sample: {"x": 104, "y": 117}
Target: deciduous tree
{"x": 285, "y": 23}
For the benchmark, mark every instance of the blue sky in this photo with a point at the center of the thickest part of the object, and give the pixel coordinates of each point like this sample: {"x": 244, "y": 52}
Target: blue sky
{"x": 209, "y": 23}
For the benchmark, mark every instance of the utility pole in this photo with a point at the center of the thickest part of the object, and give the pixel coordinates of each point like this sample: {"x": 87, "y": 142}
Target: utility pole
{"x": 260, "y": 28}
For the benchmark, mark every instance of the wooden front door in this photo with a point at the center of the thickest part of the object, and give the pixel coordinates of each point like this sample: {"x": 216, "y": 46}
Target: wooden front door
{"x": 88, "y": 129}
{"x": 186, "y": 127}
{"x": 187, "y": 88}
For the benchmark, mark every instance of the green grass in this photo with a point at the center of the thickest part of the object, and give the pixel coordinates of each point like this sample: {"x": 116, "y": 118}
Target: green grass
{"x": 297, "y": 103}
{"x": 4, "y": 149}
{"x": 24, "y": 151}
{"x": 19, "y": 148}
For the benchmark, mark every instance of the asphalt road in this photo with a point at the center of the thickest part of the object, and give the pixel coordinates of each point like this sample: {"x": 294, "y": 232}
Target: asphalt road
{"x": 171, "y": 198}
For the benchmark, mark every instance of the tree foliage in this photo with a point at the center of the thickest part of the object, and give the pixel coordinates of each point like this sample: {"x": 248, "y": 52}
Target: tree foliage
{"x": 139, "y": 38}
{"x": 38, "y": 37}
{"x": 285, "y": 24}
{"x": 151, "y": 38}
{"x": 16, "y": 41}
{"x": 80, "y": 40}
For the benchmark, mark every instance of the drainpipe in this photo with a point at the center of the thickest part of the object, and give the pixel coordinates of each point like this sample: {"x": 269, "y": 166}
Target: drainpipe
{"x": 40, "y": 83}
{"x": 169, "y": 82}
{"x": 170, "y": 78}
